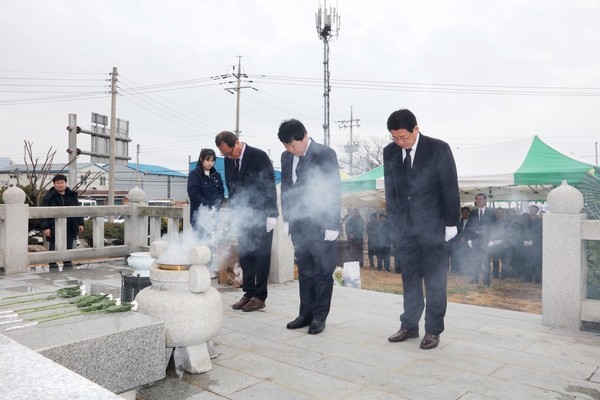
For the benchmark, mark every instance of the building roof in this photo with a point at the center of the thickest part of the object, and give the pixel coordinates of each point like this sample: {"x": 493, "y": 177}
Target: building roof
{"x": 148, "y": 169}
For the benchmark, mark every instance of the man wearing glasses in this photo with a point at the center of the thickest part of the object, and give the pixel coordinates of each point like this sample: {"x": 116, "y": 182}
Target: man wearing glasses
{"x": 422, "y": 201}
{"x": 250, "y": 181}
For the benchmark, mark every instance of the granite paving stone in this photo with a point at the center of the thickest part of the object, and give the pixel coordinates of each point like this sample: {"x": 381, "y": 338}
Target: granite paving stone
{"x": 293, "y": 377}
{"x": 556, "y": 382}
{"x": 543, "y": 363}
{"x": 268, "y": 390}
{"x": 479, "y": 383}
{"x": 484, "y": 353}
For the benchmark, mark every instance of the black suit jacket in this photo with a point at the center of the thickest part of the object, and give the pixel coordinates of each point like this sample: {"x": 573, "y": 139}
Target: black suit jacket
{"x": 252, "y": 192}
{"x": 316, "y": 197}
{"x": 430, "y": 195}
{"x": 480, "y": 232}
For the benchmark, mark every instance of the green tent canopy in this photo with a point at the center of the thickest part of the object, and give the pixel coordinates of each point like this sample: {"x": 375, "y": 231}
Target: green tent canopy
{"x": 519, "y": 170}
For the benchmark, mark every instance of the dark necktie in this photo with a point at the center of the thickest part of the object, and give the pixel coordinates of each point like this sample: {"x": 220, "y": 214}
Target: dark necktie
{"x": 237, "y": 166}
{"x": 407, "y": 162}
{"x": 299, "y": 167}
{"x": 480, "y": 214}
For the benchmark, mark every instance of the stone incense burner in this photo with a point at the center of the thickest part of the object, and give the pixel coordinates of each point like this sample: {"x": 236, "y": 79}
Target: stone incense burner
{"x": 191, "y": 309}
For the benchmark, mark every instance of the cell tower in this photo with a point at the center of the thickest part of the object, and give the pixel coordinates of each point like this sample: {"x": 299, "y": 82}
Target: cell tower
{"x": 328, "y": 27}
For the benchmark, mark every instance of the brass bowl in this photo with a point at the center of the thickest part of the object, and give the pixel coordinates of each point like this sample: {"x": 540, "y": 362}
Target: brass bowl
{"x": 174, "y": 267}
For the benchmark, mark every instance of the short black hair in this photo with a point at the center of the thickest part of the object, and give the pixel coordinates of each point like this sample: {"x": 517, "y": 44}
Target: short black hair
{"x": 481, "y": 194}
{"x": 402, "y": 119}
{"x": 465, "y": 208}
{"x": 291, "y": 130}
{"x": 59, "y": 177}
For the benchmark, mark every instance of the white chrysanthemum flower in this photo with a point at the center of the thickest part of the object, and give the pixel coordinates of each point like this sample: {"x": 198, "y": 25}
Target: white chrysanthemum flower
{"x": 118, "y": 302}
{"x": 82, "y": 289}
{"x": 135, "y": 306}
{"x": 10, "y": 321}
{"x": 110, "y": 296}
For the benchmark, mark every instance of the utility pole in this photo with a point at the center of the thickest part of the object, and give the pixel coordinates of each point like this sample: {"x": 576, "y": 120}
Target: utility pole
{"x": 351, "y": 146}
{"x": 237, "y": 89}
{"x": 112, "y": 150}
{"x": 72, "y": 149}
{"x": 328, "y": 26}
{"x": 137, "y": 167}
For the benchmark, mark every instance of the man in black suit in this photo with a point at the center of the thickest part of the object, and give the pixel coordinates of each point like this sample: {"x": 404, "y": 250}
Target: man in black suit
{"x": 479, "y": 231}
{"x": 421, "y": 193}
{"x": 253, "y": 211}
{"x": 460, "y": 252}
{"x": 311, "y": 196}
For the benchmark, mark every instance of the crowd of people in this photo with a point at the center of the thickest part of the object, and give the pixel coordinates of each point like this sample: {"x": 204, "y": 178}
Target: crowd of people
{"x": 497, "y": 243}
{"x": 491, "y": 243}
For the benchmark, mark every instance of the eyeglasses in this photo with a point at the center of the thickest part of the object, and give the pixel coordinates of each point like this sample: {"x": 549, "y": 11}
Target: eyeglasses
{"x": 228, "y": 154}
{"x": 400, "y": 138}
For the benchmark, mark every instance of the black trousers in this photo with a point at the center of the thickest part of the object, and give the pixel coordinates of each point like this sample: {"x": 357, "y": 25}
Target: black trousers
{"x": 370, "y": 254}
{"x": 423, "y": 263}
{"x": 383, "y": 258}
{"x": 481, "y": 260}
{"x": 70, "y": 245}
{"x": 316, "y": 259}
{"x": 254, "y": 246}
{"x": 356, "y": 246}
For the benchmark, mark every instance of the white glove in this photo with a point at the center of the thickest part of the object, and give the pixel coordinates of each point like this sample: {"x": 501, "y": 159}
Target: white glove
{"x": 470, "y": 243}
{"x": 286, "y": 229}
{"x": 497, "y": 242}
{"x": 490, "y": 244}
{"x": 271, "y": 222}
{"x": 331, "y": 235}
{"x": 212, "y": 210}
{"x": 451, "y": 231}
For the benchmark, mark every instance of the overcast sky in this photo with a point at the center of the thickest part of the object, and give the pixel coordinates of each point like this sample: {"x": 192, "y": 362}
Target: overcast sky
{"x": 474, "y": 72}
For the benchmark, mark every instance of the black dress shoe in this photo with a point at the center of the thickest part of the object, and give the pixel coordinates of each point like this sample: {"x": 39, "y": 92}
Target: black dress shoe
{"x": 299, "y": 322}
{"x": 402, "y": 335}
{"x": 430, "y": 341}
{"x": 316, "y": 327}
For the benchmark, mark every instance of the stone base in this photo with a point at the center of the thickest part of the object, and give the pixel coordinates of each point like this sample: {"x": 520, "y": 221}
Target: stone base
{"x": 119, "y": 352}
{"x": 196, "y": 359}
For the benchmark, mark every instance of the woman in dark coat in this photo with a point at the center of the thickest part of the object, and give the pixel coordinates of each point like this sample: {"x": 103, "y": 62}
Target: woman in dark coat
{"x": 206, "y": 193}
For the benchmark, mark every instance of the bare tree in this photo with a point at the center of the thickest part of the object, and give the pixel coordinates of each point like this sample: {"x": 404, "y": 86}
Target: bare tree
{"x": 367, "y": 156}
{"x": 38, "y": 175}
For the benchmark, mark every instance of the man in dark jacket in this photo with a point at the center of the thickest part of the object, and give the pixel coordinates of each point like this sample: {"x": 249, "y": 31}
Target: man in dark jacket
{"x": 311, "y": 201}
{"x": 355, "y": 228}
{"x": 531, "y": 245}
{"x": 383, "y": 243}
{"x": 253, "y": 212}
{"x": 371, "y": 229}
{"x": 422, "y": 199}
{"x": 61, "y": 195}
{"x": 479, "y": 230}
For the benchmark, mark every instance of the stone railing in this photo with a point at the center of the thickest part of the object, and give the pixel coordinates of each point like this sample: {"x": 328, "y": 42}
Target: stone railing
{"x": 142, "y": 226}
{"x": 566, "y": 230}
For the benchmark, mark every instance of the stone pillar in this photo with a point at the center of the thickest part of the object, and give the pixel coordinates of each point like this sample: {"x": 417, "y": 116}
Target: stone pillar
{"x": 14, "y": 225}
{"x": 136, "y": 226}
{"x": 282, "y": 251}
{"x": 187, "y": 226}
{"x": 564, "y": 259}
